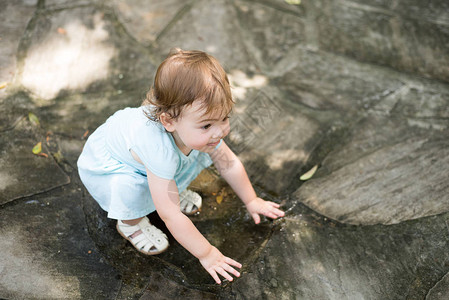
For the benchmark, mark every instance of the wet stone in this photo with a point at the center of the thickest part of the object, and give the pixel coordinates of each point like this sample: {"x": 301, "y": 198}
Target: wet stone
{"x": 161, "y": 288}
{"x": 384, "y": 172}
{"x": 24, "y": 173}
{"x": 46, "y": 245}
{"x": 312, "y": 257}
{"x": 226, "y": 225}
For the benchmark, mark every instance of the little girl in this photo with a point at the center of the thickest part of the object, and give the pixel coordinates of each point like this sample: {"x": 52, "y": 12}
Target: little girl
{"x": 142, "y": 159}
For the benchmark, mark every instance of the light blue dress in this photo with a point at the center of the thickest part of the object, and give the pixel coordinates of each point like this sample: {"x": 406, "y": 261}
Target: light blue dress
{"x": 117, "y": 181}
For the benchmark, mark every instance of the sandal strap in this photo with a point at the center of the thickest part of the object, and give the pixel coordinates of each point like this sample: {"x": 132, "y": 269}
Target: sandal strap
{"x": 189, "y": 199}
{"x": 149, "y": 238}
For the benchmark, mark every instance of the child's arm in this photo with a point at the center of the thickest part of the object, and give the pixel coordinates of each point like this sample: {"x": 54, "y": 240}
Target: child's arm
{"x": 232, "y": 170}
{"x": 166, "y": 199}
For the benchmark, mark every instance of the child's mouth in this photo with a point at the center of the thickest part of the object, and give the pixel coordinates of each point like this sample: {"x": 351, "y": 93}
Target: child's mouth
{"x": 213, "y": 144}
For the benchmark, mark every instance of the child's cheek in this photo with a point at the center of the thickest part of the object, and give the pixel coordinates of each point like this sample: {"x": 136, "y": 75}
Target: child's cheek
{"x": 200, "y": 141}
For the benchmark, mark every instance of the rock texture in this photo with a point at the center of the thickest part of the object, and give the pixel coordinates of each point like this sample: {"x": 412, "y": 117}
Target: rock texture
{"x": 358, "y": 88}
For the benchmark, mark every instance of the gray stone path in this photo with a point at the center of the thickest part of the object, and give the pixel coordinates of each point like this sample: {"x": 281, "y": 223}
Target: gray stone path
{"x": 359, "y": 88}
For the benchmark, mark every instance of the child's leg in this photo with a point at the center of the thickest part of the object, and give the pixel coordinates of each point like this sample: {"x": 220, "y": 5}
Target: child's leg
{"x": 133, "y": 221}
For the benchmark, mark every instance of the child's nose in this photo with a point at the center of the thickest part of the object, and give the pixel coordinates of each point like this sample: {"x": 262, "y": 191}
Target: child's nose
{"x": 221, "y": 131}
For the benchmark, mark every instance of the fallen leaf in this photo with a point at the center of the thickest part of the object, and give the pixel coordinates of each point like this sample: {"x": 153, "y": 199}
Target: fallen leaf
{"x": 3, "y": 85}
{"x": 33, "y": 119}
{"x": 219, "y": 199}
{"x": 43, "y": 154}
{"x": 309, "y": 174}
{"x": 37, "y": 148}
{"x": 294, "y": 2}
{"x": 61, "y": 30}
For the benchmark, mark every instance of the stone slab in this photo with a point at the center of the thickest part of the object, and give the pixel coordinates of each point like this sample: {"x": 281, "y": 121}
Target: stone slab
{"x": 424, "y": 105}
{"x": 312, "y": 257}
{"x": 24, "y": 173}
{"x": 268, "y": 45}
{"x": 280, "y": 125}
{"x": 146, "y": 20}
{"x": 216, "y": 34}
{"x": 13, "y": 109}
{"x": 272, "y": 143}
{"x": 412, "y": 37}
{"x": 384, "y": 172}
{"x": 47, "y": 253}
{"x": 327, "y": 82}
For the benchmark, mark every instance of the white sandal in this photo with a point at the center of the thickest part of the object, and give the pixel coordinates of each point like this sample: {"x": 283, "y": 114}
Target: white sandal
{"x": 190, "y": 202}
{"x": 150, "y": 241}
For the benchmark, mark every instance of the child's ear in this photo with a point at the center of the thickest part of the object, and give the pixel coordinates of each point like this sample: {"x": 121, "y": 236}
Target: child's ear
{"x": 167, "y": 121}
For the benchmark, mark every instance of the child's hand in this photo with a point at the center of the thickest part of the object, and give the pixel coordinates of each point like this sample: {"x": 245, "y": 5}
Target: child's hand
{"x": 267, "y": 208}
{"x": 215, "y": 262}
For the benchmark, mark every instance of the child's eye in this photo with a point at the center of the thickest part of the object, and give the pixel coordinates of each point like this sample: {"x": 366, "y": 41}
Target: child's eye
{"x": 206, "y": 126}
{"x": 225, "y": 118}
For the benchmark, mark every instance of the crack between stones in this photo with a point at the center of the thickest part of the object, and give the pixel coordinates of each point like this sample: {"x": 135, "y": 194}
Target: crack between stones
{"x": 14, "y": 125}
{"x": 277, "y": 7}
{"x": 16, "y": 200}
{"x": 178, "y": 16}
{"x": 436, "y": 284}
{"x": 241, "y": 33}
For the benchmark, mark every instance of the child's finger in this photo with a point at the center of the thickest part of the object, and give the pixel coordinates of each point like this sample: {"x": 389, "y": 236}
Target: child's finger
{"x": 215, "y": 276}
{"x": 231, "y": 270}
{"x": 232, "y": 262}
{"x": 278, "y": 212}
{"x": 274, "y": 204}
{"x": 256, "y": 218}
{"x": 275, "y": 213}
{"x": 223, "y": 273}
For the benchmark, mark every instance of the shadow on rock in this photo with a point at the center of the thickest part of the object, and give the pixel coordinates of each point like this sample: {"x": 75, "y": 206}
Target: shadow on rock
{"x": 225, "y": 223}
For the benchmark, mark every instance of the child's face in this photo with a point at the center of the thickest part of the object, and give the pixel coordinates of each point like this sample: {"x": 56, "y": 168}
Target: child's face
{"x": 194, "y": 130}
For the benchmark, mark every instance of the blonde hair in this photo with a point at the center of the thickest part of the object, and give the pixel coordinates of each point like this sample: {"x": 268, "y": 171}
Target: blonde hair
{"x": 186, "y": 76}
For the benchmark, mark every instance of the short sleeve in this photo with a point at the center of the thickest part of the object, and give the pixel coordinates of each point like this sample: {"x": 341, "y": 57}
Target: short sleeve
{"x": 161, "y": 161}
{"x": 155, "y": 150}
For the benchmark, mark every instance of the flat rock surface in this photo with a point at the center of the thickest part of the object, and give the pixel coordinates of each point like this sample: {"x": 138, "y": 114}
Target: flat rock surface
{"x": 358, "y": 88}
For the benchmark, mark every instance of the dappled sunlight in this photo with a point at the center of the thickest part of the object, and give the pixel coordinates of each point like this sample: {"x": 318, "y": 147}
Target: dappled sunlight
{"x": 18, "y": 258}
{"x": 279, "y": 158}
{"x": 241, "y": 82}
{"x": 6, "y": 180}
{"x": 72, "y": 58}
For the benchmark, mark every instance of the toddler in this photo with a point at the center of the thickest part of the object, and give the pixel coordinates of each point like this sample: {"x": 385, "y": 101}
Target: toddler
{"x": 142, "y": 159}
